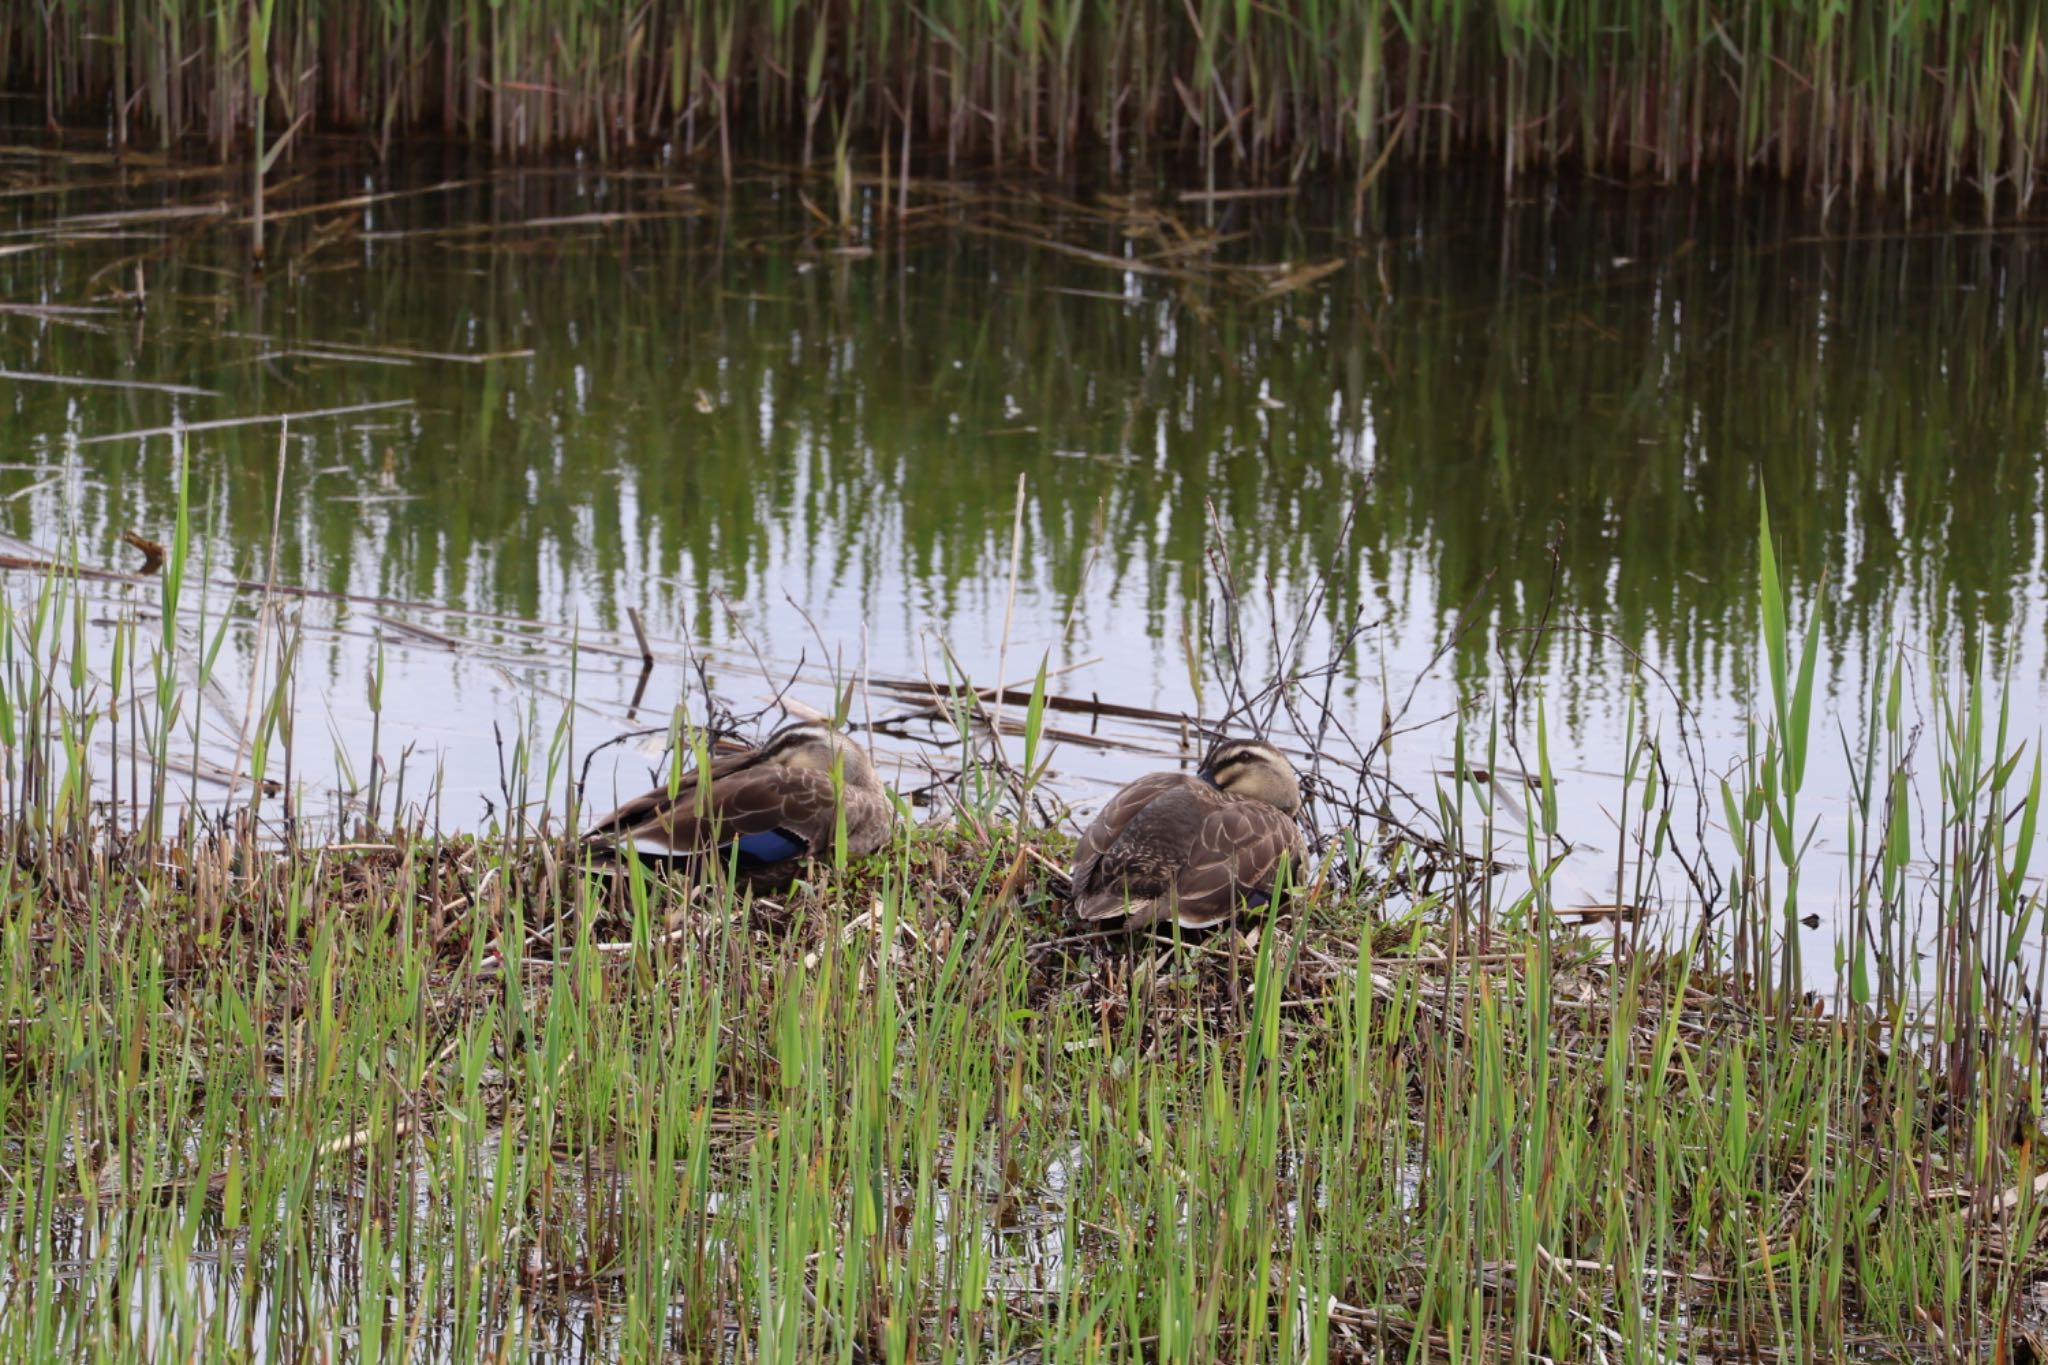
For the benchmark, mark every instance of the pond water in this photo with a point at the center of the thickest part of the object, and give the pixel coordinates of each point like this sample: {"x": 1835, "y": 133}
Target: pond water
{"x": 777, "y": 441}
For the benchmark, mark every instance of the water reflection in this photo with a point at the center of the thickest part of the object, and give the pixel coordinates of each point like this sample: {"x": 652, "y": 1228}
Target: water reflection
{"x": 1566, "y": 408}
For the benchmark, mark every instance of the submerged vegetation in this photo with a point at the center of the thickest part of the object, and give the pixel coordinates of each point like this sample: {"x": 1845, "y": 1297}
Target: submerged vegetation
{"x": 1899, "y": 97}
{"x": 417, "y": 1096}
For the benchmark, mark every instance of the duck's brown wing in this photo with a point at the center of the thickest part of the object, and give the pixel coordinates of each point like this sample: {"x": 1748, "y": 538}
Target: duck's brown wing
{"x": 639, "y": 811}
{"x": 1236, "y": 856}
{"x": 746, "y": 798}
{"x": 1113, "y": 877}
{"x": 1114, "y": 818}
{"x": 795, "y": 803}
{"x": 650, "y": 808}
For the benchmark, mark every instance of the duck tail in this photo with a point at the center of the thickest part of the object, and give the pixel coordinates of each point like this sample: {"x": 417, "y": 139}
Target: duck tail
{"x": 1115, "y": 905}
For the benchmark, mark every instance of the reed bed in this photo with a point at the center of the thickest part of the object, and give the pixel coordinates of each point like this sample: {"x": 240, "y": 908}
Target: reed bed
{"x": 1898, "y": 97}
{"x": 406, "y": 1095}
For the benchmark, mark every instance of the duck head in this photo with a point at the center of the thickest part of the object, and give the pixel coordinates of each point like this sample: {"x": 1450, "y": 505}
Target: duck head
{"x": 1255, "y": 769}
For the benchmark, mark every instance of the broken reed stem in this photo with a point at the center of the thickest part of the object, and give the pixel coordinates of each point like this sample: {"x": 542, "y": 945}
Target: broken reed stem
{"x": 640, "y": 636}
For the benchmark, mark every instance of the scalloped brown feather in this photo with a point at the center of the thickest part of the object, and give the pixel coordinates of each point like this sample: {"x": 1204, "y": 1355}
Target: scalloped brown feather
{"x": 1171, "y": 847}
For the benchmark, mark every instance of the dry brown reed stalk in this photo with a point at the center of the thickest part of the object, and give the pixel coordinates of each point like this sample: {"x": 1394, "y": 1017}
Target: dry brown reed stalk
{"x": 224, "y": 423}
{"x": 82, "y": 381}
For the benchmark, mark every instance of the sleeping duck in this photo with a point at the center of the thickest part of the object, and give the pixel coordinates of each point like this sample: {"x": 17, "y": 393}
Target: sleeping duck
{"x": 765, "y": 812}
{"x": 1192, "y": 848}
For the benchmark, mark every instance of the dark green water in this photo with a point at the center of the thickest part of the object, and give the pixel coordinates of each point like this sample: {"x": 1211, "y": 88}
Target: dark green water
{"x": 1562, "y": 410}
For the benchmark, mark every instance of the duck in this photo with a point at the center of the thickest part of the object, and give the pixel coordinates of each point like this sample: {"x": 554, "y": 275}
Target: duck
{"x": 1192, "y": 848}
{"x": 765, "y": 812}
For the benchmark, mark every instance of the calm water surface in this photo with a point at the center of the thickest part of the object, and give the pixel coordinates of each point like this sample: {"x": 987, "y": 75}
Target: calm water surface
{"x": 1561, "y": 410}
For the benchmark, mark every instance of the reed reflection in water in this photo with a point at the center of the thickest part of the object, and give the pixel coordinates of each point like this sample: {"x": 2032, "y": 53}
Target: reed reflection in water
{"x": 1558, "y": 412}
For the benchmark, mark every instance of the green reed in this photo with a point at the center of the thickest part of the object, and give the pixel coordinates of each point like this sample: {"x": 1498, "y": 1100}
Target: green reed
{"x": 442, "y": 1098}
{"x": 1897, "y": 97}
